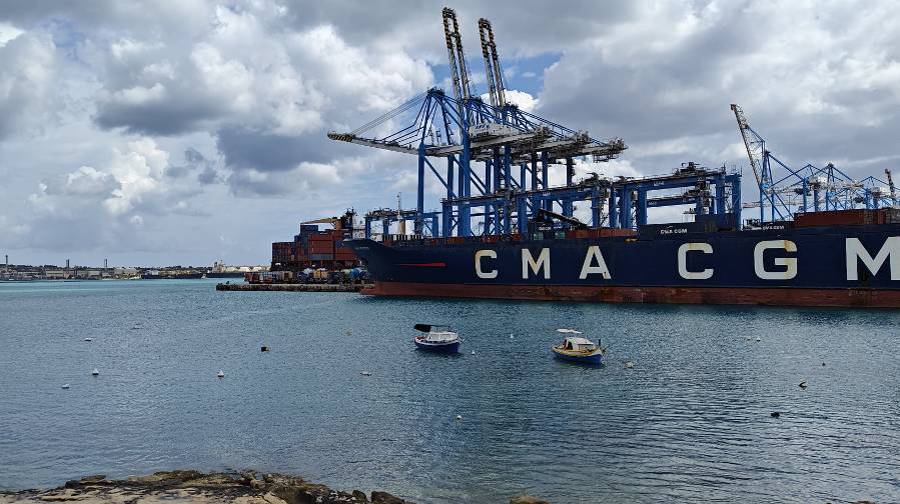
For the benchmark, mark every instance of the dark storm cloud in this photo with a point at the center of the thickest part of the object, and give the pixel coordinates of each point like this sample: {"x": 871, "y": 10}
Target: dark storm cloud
{"x": 246, "y": 149}
{"x": 174, "y": 116}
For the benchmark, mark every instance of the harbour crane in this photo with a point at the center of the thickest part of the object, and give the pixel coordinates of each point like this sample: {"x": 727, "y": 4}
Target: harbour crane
{"x": 890, "y": 181}
{"x": 492, "y": 70}
{"x": 343, "y": 222}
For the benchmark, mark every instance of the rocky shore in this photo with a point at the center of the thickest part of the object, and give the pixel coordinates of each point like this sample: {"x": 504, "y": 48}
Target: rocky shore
{"x": 201, "y": 488}
{"x": 197, "y": 488}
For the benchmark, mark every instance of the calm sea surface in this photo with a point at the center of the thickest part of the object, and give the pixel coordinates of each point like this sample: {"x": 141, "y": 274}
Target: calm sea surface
{"x": 690, "y": 422}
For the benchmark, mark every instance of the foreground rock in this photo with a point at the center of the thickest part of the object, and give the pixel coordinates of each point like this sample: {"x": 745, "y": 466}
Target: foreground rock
{"x": 197, "y": 488}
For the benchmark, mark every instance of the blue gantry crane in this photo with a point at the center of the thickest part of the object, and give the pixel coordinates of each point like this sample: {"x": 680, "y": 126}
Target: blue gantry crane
{"x": 808, "y": 189}
{"x": 493, "y": 160}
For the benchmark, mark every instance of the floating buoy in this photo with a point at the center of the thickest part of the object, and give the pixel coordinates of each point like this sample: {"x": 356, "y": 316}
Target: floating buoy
{"x": 264, "y": 348}
{"x": 758, "y": 338}
{"x": 459, "y": 417}
{"x": 221, "y": 374}
{"x": 510, "y": 336}
{"x": 748, "y": 338}
{"x": 366, "y": 373}
{"x": 802, "y": 384}
{"x": 823, "y": 364}
{"x": 775, "y": 414}
{"x": 629, "y": 365}
{"x": 65, "y": 386}
{"x": 88, "y": 339}
{"x": 95, "y": 372}
{"x": 473, "y": 352}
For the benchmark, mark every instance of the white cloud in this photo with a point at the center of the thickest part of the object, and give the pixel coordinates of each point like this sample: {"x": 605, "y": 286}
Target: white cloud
{"x": 8, "y": 32}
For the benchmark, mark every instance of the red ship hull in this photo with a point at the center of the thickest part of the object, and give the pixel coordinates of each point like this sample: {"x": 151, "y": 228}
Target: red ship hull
{"x": 856, "y": 298}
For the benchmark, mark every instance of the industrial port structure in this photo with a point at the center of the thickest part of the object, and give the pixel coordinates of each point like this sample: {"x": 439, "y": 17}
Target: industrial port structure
{"x": 493, "y": 160}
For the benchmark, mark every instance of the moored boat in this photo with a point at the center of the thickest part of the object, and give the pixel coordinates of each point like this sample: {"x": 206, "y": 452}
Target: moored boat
{"x": 578, "y": 349}
{"x": 437, "y": 338}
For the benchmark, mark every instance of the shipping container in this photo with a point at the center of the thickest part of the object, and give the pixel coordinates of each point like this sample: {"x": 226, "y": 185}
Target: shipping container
{"x": 321, "y": 257}
{"x": 667, "y": 230}
{"x": 837, "y": 218}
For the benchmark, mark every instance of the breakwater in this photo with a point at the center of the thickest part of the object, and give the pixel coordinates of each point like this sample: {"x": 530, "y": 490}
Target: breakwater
{"x": 292, "y": 287}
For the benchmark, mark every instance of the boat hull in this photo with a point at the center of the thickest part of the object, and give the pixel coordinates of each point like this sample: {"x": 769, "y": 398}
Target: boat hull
{"x": 592, "y": 359}
{"x": 437, "y": 347}
{"x": 838, "y": 266}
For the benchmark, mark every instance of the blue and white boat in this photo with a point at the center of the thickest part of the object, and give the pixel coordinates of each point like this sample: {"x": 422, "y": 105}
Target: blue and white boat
{"x": 437, "y": 338}
{"x": 578, "y": 349}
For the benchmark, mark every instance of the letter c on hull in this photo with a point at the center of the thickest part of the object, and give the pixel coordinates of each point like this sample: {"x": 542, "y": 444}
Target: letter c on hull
{"x": 478, "y": 271}
{"x": 706, "y": 248}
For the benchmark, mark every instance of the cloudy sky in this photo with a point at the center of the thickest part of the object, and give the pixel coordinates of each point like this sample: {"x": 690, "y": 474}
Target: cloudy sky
{"x": 185, "y": 131}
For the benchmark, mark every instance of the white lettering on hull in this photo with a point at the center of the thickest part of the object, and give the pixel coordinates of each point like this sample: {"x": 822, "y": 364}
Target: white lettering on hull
{"x": 706, "y": 248}
{"x": 588, "y": 268}
{"x": 857, "y": 252}
{"x": 790, "y": 263}
{"x": 480, "y": 273}
{"x": 529, "y": 263}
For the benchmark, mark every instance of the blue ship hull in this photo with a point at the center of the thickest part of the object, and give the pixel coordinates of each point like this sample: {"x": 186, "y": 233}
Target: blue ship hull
{"x": 438, "y": 348}
{"x": 592, "y": 360}
{"x": 855, "y": 266}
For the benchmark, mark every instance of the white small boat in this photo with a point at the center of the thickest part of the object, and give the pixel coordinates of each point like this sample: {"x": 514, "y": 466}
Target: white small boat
{"x": 577, "y": 349}
{"x": 437, "y": 338}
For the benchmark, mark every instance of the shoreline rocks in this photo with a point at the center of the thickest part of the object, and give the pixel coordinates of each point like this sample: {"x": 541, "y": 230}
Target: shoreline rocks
{"x": 199, "y": 488}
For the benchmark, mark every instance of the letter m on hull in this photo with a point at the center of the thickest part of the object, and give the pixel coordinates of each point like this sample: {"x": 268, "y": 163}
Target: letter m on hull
{"x": 889, "y": 252}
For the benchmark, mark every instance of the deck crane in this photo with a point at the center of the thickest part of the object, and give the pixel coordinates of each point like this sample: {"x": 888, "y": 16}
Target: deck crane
{"x": 459, "y": 74}
{"x": 890, "y": 181}
{"x": 492, "y": 69}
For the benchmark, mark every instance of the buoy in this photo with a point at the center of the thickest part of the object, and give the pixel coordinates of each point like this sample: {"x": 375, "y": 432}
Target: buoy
{"x": 221, "y": 374}
{"x": 95, "y": 372}
{"x": 802, "y": 384}
{"x": 823, "y": 364}
{"x": 65, "y": 386}
{"x": 264, "y": 349}
{"x": 459, "y": 417}
{"x": 775, "y": 414}
{"x": 510, "y": 336}
{"x": 748, "y": 338}
{"x": 366, "y": 373}
{"x": 758, "y": 338}
{"x": 629, "y": 365}
{"x": 473, "y": 352}
{"x": 88, "y": 339}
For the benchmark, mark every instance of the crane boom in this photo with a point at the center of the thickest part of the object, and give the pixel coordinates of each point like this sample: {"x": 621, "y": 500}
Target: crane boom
{"x": 492, "y": 70}
{"x": 756, "y": 146}
{"x": 890, "y": 180}
{"x": 459, "y": 74}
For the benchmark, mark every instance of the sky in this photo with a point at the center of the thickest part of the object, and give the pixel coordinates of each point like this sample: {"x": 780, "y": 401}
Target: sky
{"x": 187, "y": 131}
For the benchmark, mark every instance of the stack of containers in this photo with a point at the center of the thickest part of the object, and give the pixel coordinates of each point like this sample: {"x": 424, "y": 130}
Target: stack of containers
{"x": 321, "y": 247}
{"x": 341, "y": 252}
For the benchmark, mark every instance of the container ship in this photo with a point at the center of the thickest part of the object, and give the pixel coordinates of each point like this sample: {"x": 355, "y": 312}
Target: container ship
{"x": 315, "y": 248}
{"x": 848, "y": 258}
{"x": 502, "y": 230}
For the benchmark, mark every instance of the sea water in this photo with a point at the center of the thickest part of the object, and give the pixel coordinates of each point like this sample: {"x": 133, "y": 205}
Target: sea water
{"x": 345, "y": 399}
